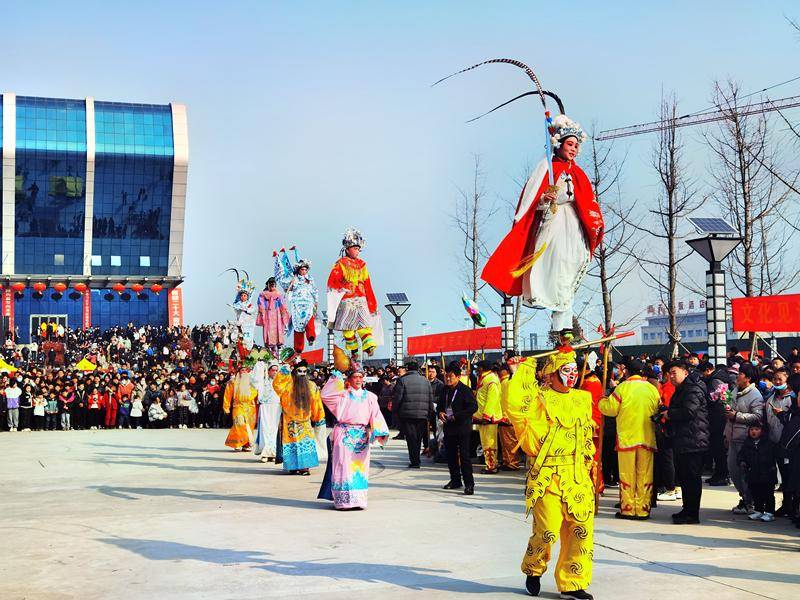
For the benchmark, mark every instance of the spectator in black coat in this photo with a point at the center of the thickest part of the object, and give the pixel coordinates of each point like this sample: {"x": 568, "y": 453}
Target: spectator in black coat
{"x": 720, "y": 381}
{"x": 412, "y": 404}
{"x": 757, "y": 461}
{"x": 790, "y": 448}
{"x": 455, "y": 407}
{"x": 687, "y": 420}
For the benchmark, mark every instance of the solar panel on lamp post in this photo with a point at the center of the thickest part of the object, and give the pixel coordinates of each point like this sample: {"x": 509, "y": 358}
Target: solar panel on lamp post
{"x": 398, "y": 305}
{"x": 720, "y": 239}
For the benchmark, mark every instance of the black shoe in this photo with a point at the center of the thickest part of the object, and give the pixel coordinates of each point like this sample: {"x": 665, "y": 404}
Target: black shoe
{"x": 618, "y": 505}
{"x": 399, "y": 436}
{"x": 488, "y": 472}
{"x": 451, "y": 485}
{"x": 678, "y": 514}
{"x": 468, "y": 491}
{"x": 413, "y": 466}
{"x": 722, "y": 482}
{"x": 577, "y": 595}
{"x": 532, "y": 585}
{"x": 782, "y": 512}
{"x": 619, "y": 515}
{"x": 685, "y": 520}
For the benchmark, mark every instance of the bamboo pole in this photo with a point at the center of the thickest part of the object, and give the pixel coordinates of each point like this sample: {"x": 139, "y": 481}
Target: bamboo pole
{"x": 598, "y": 475}
{"x": 580, "y": 345}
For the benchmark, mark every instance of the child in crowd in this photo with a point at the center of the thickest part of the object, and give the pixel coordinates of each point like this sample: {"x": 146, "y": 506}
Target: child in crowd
{"x": 51, "y": 412}
{"x": 136, "y": 412}
{"x": 39, "y": 404}
{"x": 124, "y": 412}
{"x": 757, "y": 460}
{"x": 156, "y": 414}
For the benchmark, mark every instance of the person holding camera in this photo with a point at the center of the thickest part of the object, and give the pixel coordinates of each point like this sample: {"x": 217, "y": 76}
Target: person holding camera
{"x": 455, "y": 407}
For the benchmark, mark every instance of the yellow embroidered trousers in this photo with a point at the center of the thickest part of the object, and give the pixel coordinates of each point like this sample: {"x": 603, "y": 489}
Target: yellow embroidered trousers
{"x": 551, "y": 520}
{"x": 508, "y": 441}
{"x": 635, "y": 481}
{"x": 488, "y": 435}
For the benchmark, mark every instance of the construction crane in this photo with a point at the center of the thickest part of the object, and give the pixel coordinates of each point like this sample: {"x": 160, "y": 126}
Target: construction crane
{"x": 699, "y": 118}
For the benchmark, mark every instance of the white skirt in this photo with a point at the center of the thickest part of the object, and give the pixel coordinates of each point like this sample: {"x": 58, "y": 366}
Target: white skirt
{"x": 555, "y": 276}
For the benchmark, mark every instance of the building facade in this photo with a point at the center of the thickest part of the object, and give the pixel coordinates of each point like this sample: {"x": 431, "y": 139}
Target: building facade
{"x": 692, "y": 326}
{"x": 93, "y": 204}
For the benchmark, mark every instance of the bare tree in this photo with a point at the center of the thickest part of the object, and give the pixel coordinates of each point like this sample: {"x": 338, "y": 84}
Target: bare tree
{"x": 615, "y": 254}
{"x": 471, "y": 213}
{"x": 749, "y": 190}
{"x": 676, "y": 200}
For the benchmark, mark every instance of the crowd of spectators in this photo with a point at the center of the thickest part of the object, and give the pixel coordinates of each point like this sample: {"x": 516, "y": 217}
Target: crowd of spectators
{"x": 738, "y": 421}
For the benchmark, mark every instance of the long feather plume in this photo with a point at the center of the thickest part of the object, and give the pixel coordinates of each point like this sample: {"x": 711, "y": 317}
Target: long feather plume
{"x": 508, "y": 61}
{"x": 546, "y": 93}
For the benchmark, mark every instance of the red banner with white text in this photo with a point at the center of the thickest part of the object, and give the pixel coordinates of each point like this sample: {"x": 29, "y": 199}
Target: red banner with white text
{"x": 8, "y": 307}
{"x": 175, "y": 307}
{"x": 767, "y": 313}
{"x": 87, "y": 309}
{"x": 489, "y": 338}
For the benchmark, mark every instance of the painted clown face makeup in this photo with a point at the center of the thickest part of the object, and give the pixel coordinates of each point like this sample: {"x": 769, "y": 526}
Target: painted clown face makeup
{"x": 569, "y": 374}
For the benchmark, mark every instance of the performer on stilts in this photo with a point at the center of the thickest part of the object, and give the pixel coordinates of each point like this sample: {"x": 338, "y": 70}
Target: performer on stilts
{"x": 244, "y": 309}
{"x": 273, "y": 316}
{"x": 557, "y": 226}
{"x": 301, "y": 296}
{"x": 351, "y": 300}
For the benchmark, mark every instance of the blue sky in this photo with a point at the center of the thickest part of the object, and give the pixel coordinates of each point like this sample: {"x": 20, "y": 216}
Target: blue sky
{"x": 308, "y": 117}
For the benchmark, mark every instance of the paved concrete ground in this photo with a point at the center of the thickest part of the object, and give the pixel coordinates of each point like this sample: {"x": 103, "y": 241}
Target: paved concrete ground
{"x": 175, "y": 514}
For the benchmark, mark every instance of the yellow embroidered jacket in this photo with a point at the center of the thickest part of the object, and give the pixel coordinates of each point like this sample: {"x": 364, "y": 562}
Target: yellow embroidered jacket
{"x": 633, "y": 402}
{"x": 555, "y": 430}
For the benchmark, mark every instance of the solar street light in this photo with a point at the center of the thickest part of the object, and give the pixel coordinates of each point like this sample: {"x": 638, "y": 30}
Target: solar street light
{"x": 398, "y": 305}
{"x": 720, "y": 239}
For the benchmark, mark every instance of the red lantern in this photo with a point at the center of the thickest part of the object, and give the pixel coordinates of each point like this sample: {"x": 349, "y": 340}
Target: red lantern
{"x": 18, "y": 287}
{"x": 118, "y": 287}
{"x": 39, "y": 287}
{"x": 60, "y": 287}
{"x": 137, "y": 287}
{"x": 80, "y": 287}
{"x": 156, "y": 287}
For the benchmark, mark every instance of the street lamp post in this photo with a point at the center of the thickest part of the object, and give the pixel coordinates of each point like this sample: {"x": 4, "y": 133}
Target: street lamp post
{"x": 507, "y": 323}
{"x": 717, "y": 244}
{"x": 398, "y": 305}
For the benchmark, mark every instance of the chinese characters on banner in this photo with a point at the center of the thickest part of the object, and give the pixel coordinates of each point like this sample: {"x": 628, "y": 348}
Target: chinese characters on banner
{"x": 8, "y": 307}
{"x": 175, "y": 307}
{"x": 87, "y": 309}
{"x": 767, "y": 313}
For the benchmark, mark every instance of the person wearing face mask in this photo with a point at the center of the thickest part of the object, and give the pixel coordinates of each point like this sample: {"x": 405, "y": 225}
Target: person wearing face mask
{"x": 553, "y": 422}
{"x": 633, "y": 402}
{"x": 781, "y": 400}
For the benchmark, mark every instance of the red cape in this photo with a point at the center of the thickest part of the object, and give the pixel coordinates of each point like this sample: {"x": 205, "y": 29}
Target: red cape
{"x": 520, "y": 241}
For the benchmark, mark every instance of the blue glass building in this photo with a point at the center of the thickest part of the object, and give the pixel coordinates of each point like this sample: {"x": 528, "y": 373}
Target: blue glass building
{"x": 93, "y": 200}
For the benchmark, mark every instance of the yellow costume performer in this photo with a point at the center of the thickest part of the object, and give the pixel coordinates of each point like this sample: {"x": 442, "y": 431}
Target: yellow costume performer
{"x": 488, "y": 414}
{"x": 508, "y": 439}
{"x": 240, "y": 399}
{"x": 633, "y": 402}
{"x": 554, "y": 427}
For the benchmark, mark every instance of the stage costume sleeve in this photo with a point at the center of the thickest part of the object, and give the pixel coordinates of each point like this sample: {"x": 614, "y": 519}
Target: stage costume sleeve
{"x": 492, "y": 411}
{"x": 336, "y": 278}
{"x": 332, "y": 393}
{"x": 610, "y": 404}
{"x": 523, "y": 404}
{"x": 282, "y": 384}
{"x": 380, "y": 431}
{"x": 317, "y": 411}
{"x": 372, "y": 302}
{"x": 227, "y": 397}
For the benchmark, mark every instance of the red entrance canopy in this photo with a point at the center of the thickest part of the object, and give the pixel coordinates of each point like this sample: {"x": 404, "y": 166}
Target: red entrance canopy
{"x": 489, "y": 338}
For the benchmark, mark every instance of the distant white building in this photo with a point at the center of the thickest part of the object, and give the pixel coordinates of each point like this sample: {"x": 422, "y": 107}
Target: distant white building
{"x": 691, "y": 319}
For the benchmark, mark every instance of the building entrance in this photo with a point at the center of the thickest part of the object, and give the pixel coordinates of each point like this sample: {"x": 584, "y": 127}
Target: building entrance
{"x": 51, "y": 322}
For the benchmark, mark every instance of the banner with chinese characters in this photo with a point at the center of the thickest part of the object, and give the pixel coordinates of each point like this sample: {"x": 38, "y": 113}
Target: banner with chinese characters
{"x": 489, "y": 338}
{"x": 8, "y": 307}
{"x": 175, "y": 307}
{"x": 87, "y": 309}
{"x": 773, "y": 314}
